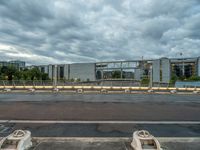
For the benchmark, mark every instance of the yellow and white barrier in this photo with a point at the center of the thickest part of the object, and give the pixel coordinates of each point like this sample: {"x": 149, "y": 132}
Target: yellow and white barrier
{"x": 103, "y": 89}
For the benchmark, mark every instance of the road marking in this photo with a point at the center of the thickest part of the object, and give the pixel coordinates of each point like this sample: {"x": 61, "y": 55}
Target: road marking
{"x": 97, "y": 122}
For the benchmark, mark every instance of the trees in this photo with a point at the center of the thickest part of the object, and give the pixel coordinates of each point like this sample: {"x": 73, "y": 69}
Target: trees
{"x": 8, "y": 72}
{"x": 194, "y": 78}
{"x": 174, "y": 78}
{"x": 35, "y": 74}
{"x": 45, "y": 76}
{"x": 116, "y": 74}
{"x": 145, "y": 81}
{"x": 11, "y": 73}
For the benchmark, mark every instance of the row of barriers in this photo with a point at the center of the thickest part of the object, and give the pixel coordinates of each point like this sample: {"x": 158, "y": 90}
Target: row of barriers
{"x": 81, "y": 87}
{"x": 102, "y": 89}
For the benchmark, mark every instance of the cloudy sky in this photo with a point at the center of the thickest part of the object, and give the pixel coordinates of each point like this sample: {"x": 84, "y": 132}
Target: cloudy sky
{"x": 66, "y": 31}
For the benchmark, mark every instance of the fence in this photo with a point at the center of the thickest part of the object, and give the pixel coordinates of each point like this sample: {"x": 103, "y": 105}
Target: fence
{"x": 119, "y": 83}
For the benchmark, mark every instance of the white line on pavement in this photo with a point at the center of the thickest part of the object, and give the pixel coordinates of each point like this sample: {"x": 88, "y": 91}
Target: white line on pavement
{"x": 97, "y": 122}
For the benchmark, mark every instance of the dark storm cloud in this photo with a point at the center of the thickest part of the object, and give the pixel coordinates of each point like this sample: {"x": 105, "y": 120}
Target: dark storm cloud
{"x": 64, "y": 31}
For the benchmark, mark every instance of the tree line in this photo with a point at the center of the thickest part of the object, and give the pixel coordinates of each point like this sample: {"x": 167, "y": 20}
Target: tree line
{"x": 12, "y": 73}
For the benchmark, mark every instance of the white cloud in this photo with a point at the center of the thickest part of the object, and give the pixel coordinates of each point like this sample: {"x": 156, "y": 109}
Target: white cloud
{"x": 64, "y": 31}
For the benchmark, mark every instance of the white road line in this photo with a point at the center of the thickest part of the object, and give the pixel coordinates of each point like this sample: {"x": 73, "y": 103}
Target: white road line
{"x": 97, "y": 122}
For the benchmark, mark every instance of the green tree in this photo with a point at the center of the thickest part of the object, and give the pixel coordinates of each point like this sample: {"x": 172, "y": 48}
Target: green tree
{"x": 174, "y": 78}
{"x": 25, "y": 74}
{"x": 8, "y": 72}
{"x": 116, "y": 74}
{"x": 35, "y": 74}
{"x": 194, "y": 78}
{"x": 145, "y": 81}
{"x": 12, "y": 73}
{"x": 17, "y": 75}
{"x": 45, "y": 76}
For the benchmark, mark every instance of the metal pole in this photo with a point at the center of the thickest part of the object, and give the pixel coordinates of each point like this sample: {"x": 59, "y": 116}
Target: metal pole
{"x": 151, "y": 77}
{"x": 183, "y": 68}
{"x": 121, "y": 71}
{"x": 55, "y": 76}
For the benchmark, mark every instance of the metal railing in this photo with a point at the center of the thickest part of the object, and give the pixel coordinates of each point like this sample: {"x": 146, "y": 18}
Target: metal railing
{"x": 86, "y": 83}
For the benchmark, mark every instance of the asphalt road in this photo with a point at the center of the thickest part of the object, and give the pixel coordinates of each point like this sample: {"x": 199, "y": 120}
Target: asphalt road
{"x": 143, "y": 111}
{"x": 129, "y": 98}
{"x": 120, "y": 145}
{"x": 102, "y": 129}
{"x": 101, "y": 108}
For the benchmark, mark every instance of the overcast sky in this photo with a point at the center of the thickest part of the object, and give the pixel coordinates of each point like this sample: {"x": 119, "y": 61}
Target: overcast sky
{"x": 66, "y": 31}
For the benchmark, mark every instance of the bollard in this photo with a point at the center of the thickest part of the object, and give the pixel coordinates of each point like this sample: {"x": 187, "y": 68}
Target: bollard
{"x": 127, "y": 91}
{"x": 80, "y": 91}
{"x": 32, "y": 90}
{"x": 143, "y": 139}
{"x": 150, "y": 91}
{"x": 103, "y": 91}
{"x": 7, "y": 90}
{"x": 196, "y": 92}
{"x": 55, "y": 90}
{"x": 173, "y": 91}
{"x": 19, "y": 139}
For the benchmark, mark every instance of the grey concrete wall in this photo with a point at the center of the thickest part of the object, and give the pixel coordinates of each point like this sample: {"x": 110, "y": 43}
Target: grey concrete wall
{"x": 46, "y": 69}
{"x": 137, "y": 75}
{"x": 66, "y": 71}
{"x": 165, "y": 67}
{"x": 58, "y": 72}
{"x": 83, "y": 71}
{"x": 156, "y": 70}
{"x": 50, "y": 73}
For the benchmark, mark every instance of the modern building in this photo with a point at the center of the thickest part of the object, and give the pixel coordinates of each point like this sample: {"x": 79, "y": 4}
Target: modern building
{"x": 77, "y": 71}
{"x": 18, "y": 64}
{"x": 84, "y": 71}
{"x": 133, "y": 69}
{"x": 162, "y": 69}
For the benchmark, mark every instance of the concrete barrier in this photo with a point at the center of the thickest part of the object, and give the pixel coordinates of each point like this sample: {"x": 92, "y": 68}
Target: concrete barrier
{"x": 105, "y": 89}
{"x": 80, "y": 91}
{"x": 7, "y": 90}
{"x": 127, "y": 90}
